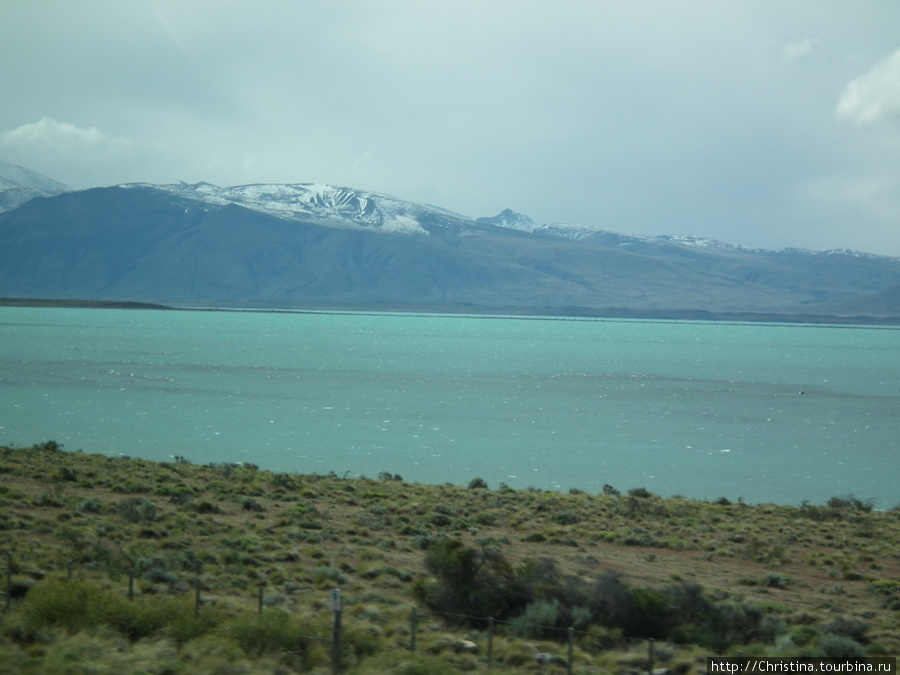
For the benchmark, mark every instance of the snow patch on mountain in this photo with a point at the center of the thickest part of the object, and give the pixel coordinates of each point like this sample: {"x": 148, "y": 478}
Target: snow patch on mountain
{"x": 317, "y": 202}
{"x": 511, "y": 220}
{"x": 517, "y": 221}
{"x": 19, "y": 185}
{"x": 404, "y": 225}
{"x": 576, "y": 231}
{"x": 572, "y": 230}
{"x": 699, "y": 242}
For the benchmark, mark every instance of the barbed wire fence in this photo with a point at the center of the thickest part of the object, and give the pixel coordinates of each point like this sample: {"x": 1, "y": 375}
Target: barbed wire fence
{"x": 568, "y": 637}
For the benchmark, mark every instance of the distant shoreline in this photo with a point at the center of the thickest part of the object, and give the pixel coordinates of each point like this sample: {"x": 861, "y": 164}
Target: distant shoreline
{"x": 79, "y": 304}
{"x": 561, "y": 312}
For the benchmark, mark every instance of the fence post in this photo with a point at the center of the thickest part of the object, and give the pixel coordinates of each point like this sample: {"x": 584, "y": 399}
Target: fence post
{"x": 650, "y": 656}
{"x": 413, "y": 623}
{"x": 336, "y": 608}
{"x": 197, "y": 600}
{"x": 571, "y": 632}
{"x": 261, "y": 586}
{"x": 490, "y": 649}
{"x": 131, "y": 584}
{"x": 8, "y": 580}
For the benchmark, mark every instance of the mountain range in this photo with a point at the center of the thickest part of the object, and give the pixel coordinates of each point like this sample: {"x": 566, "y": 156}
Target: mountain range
{"x": 320, "y": 246}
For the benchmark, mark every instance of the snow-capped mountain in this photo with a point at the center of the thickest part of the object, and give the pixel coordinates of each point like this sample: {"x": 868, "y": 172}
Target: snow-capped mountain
{"x": 316, "y": 202}
{"x": 303, "y": 245}
{"x": 19, "y": 185}
{"x": 350, "y": 207}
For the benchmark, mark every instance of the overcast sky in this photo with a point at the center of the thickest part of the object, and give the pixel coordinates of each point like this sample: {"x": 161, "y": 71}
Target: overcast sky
{"x": 765, "y": 123}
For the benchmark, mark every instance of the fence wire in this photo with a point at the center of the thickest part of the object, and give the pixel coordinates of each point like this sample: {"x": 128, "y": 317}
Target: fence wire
{"x": 450, "y": 621}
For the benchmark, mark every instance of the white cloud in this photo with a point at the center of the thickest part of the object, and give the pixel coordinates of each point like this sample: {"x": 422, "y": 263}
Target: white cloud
{"x": 797, "y": 50}
{"x": 873, "y": 99}
{"x": 362, "y": 159}
{"x": 47, "y": 133}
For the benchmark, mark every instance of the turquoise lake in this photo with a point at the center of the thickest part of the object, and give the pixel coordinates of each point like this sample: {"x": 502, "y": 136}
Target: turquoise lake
{"x": 763, "y": 412}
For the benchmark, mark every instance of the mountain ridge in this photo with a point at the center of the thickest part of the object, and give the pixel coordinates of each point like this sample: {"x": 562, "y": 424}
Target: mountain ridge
{"x": 309, "y": 244}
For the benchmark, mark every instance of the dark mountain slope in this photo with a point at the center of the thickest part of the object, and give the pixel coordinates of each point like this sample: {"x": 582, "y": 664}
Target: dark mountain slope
{"x": 885, "y": 303}
{"x": 139, "y": 243}
{"x": 190, "y": 245}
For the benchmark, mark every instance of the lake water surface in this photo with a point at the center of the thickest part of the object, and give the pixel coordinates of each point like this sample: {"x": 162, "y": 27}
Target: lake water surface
{"x": 779, "y": 413}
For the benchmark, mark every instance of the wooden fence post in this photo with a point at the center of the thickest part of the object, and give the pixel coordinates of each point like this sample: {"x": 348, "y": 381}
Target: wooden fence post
{"x": 197, "y": 600}
{"x": 336, "y": 608}
{"x": 261, "y": 586}
{"x": 571, "y": 644}
{"x": 8, "y": 579}
{"x": 131, "y": 584}
{"x": 650, "y": 656}
{"x": 413, "y": 623}
{"x": 490, "y": 649}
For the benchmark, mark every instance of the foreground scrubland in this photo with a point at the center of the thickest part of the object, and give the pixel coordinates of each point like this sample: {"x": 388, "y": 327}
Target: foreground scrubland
{"x": 108, "y": 557}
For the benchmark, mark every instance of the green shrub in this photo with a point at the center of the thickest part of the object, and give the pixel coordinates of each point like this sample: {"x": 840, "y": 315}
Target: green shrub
{"x": 850, "y": 627}
{"x": 136, "y": 510}
{"x": 803, "y": 635}
{"x": 485, "y": 518}
{"x": 250, "y": 504}
{"x": 49, "y": 446}
{"x": 88, "y": 505}
{"x": 841, "y": 647}
{"x": 325, "y": 574}
{"x": 203, "y": 508}
{"x": 539, "y": 620}
{"x": 611, "y": 601}
{"x": 76, "y": 605}
{"x": 535, "y": 537}
{"x": 54, "y": 603}
{"x": 836, "y": 508}
{"x": 273, "y": 632}
{"x": 567, "y": 517}
{"x": 775, "y": 580}
{"x": 640, "y": 536}
{"x": 469, "y": 581}
{"x": 850, "y": 503}
{"x": 441, "y": 520}
{"x": 66, "y": 475}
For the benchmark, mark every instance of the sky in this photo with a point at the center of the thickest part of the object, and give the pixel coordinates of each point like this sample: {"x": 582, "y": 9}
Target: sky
{"x": 763, "y": 123}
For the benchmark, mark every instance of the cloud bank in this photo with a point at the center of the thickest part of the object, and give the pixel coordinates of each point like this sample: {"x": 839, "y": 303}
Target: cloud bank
{"x": 47, "y": 133}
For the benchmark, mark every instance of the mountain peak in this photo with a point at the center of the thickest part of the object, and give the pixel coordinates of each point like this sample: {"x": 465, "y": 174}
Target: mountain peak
{"x": 19, "y": 185}
{"x": 510, "y": 219}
